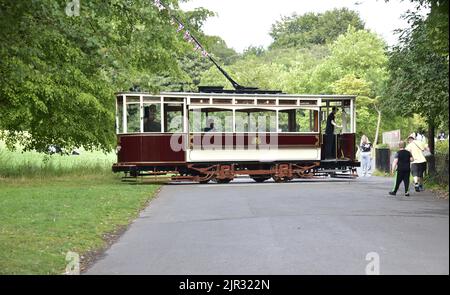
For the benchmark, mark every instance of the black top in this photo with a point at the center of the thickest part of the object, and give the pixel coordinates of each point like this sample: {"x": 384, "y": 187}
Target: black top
{"x": 330, "y": 127}
{"x": 152, "y": 126}
{"x": 404, "y": 160}
{"x": 366, "y": 147}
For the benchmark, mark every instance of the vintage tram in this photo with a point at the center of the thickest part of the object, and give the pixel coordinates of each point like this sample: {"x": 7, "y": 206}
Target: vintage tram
{"x": 219, "y": 135}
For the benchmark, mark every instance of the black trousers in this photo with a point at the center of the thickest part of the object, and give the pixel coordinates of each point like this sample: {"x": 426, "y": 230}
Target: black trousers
{"x": 399, "y": 177}
{"x": 330, "y": 147}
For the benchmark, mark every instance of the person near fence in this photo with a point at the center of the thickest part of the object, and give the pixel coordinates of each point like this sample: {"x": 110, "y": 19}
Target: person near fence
{"x": 419, "y": 164}
{"x": 401, "y": 169}
{"x": 365, "y": 147}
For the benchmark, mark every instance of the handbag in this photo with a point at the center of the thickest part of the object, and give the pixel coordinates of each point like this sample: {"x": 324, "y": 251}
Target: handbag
{"x": 425, "y": 153}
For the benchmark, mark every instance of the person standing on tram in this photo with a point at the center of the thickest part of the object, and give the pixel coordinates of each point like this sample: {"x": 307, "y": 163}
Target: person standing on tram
{"x": 150, "y": 122}
{"x": 330, "y": 148}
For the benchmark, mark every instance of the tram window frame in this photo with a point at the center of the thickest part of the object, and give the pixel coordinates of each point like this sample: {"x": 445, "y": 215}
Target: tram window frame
{"x": 133, "y": 101}
{"x": 348, "y": 105}
{"x": 158, "y": 120}
{"x": 196, "y": 126}
{"x": 296, "y": 126}
{"x": 250, "y": 125}
{"x": 166, "y": 124}
{"x": 119, "y": 114}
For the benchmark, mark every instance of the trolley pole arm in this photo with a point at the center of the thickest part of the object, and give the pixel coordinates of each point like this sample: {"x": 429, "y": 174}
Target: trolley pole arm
{"x": 234, "y": 83}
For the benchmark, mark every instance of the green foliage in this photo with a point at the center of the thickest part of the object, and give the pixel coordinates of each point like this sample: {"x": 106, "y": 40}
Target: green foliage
{"x": 382, "y": 146}
{"x": 357, "y": 52}
{"x": 59, "y": 73}
{"x": 418, "y": 78}
{"x": 437, "y": 26}
{"x": 284, "y": 69}
{"x": 350, "y": 84}
{"x": 220, "y": 50}
{"x": 313, "y": 28}
{"x": 254, "y": 50}
{"x": 31, "y": 164}
{"x": 442, "y": 147}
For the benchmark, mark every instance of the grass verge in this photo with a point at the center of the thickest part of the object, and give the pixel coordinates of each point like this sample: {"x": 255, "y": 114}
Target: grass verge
{"x": 441, "y": 189}
{"x": 41, "y": 219}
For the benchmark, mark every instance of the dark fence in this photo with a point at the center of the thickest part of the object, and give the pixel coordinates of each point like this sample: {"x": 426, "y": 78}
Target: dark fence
{"x": 383, "y": 159}
{"x": 441, "y": 175}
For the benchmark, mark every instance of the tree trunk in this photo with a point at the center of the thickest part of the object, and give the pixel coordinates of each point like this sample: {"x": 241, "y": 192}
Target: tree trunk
{"x": 431, "y": 160}
{"x": 377, "y": 131}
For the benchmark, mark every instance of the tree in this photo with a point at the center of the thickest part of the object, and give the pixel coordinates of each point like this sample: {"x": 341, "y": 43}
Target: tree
{"x": 418, "y": 81}
{"x": 435, "y": 23}
{"x": 313, "y": 28}
{"x": 366, "y": 122}
{"x": 437, "y": 26}
{"x": 254, "y": 50}
{"x": 58, "y": 73}
{"x": 356, "y": 65}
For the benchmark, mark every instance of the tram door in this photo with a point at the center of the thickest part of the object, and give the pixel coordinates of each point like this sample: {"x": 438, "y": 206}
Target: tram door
{"x": 340, "y": 144}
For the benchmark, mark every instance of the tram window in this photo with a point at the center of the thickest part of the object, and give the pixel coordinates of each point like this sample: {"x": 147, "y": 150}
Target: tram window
{"x": 340, "y": 117}
{"x": 306, "y": 120}
{"x": 133, "y": 118}
{"x": 119, "y": 118}
{"x": 211, "y": 120}
{"x": 255, "y": 120}
{"x": 344, "y": 119}
{"x": 152, "y": 117}
{"x": 297, "y": 120}
{"x": 173, "y": 117}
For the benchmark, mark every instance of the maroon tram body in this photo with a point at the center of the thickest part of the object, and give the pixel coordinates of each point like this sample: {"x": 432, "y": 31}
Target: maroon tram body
{"x": 204, "y": 136}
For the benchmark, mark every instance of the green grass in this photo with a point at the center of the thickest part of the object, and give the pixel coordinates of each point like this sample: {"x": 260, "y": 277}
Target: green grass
{"x": 42, "y": 219}
{"x": 440, "y": 188}
{"x": 50, "y": 205}
{"x": 32, "y": 164}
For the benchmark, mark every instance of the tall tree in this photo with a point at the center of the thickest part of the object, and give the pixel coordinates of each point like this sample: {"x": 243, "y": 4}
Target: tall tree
{"x": 418, "y": 82}
{"x": 59, "y": 68}
{"x": 313, "y": 28}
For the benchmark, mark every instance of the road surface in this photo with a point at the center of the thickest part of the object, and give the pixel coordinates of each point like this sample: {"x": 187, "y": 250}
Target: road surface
{"x": 302, "y": 227}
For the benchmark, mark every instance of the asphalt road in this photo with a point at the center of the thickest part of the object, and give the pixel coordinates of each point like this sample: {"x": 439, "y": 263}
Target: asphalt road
{"x": 301, "y": 227}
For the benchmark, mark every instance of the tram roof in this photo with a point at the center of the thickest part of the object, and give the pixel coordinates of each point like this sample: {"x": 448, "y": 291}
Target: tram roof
{"x": 244, "y": 95}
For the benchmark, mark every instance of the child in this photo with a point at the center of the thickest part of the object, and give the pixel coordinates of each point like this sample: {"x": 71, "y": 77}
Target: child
{"x": 401, "y": 166}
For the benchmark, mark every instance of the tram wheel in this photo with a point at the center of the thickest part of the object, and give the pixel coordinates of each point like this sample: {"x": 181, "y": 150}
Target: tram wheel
{"x": 260, "y": 179}
{"x": 226, "y": 180}
{"x": 281, "y": 179}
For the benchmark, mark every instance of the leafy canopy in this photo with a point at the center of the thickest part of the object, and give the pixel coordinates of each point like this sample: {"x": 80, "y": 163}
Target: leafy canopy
{"x": 313, "y": 28}
{"x": 58, "y": 73}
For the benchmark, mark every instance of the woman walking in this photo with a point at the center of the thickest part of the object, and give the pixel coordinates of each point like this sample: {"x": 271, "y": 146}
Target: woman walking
{"x": 366, "y": 155}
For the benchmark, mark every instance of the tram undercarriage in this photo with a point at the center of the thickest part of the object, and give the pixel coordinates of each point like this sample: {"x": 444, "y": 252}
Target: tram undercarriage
{"x": 226, "y": 172}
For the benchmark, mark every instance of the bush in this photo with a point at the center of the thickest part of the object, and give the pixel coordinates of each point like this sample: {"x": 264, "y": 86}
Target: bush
{"x": 382, "y": 146}
{"x": 441, "y": 147}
